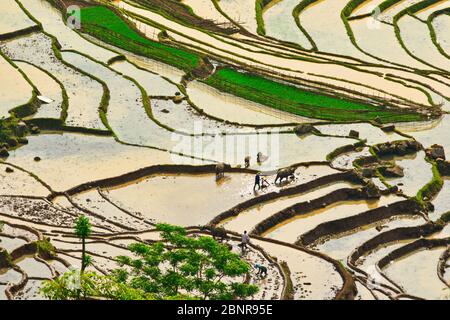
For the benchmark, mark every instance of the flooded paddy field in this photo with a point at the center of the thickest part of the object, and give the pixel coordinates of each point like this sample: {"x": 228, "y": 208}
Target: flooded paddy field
{"x": 293, "y": 121}
{"x": 290, "y": 230}
{"x": 48, "y": 88}
{"x": 17, "y": 91}
{"x": 84, "y": 93}
{"x": 14, "y": 19}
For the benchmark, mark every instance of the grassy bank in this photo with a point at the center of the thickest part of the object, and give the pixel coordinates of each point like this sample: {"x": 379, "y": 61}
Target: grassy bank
{"x": 106, "y": 25}
{"x": 301, "y": 102}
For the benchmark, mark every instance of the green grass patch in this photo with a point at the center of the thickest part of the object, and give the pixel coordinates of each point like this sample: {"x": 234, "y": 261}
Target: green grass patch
{"x": 107, "y": 26}
{"x": 432, "y": 188}
{"x": 301, "y": 102}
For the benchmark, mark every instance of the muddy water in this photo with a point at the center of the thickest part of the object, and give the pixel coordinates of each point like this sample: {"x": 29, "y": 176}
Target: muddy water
{"x": 363, "y": 292}
{"x": 290, "y": 230}
{"x": 292, "y": 67}
{"x": 129, "y": 120}
{"x": 48, "y": 88}
{"x": 234, "y": 109}
{"x": 96, "y": 248}
{"x": 183, "y": 117}
{"x": 368, "y": 261}
{"x": 52, "y": 22}
{"x": 441, "y": 202}
{"x": 10, "y": 244}
{"x": 416, "y": 37}
{"x": 83, "y": 92}
{"x": 417, "y": 274}
{"x": 74, "y": 262}
{"x": 2, "y": 292}
{"x": 58, "y": 266}
{"x": 367, "y": 131}
{"x": 444, "y": 233}
{"x": 313, "y": 278}
{"x": 341, "y": 247}
{"x": 345, "y": 161}
{"x": 68, "y": 160}
{"x": 241, "y": 11}
{"x": 271, "y": 287}
{"x": 15, "y": 91}
{"x": 33, "y": 267}
{"x": 180, "y": 199}
{"x": 279, "y": 23}
{"x": 30, "y": 291}
{"x": 153, "y": 83}
{"x": 126, "y": 114}
{"x": 435, "y": 132}
{"x": 93, "y": 201}
{"x": 9, "y": 276}
{"x": 412, "y": 182}
{"x": 248, "y": 219}
{"x": 425, "y": 13}
{"x": 20, "y": 183}
{"x": 13, "y": 18}
{"x": 441, "y": 25}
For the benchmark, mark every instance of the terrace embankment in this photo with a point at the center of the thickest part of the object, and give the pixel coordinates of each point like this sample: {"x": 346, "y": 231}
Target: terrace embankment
{"x": 304, "y": 263}
{"x": 412, "y": 247}
{"x": 309, "y": 206}
{"x": 335, "y": 227}
{"x": 348, "y": 176}
{"x": 148, "y": 171}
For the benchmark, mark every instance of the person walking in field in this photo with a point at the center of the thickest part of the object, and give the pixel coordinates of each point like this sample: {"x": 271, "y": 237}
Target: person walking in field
{"x": 262, "y": 271}
{"x": 244, "y": 241}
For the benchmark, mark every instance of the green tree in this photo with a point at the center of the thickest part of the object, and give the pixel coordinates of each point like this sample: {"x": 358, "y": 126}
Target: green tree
{"x": 178, "y": 267}
{"x": 82, "y": 231}
{"x": 200, "y": 267}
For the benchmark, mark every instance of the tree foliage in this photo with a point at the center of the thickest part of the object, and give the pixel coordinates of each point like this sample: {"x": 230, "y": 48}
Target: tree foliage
{"x": 200, "y": 267}
{"x": 178, "y": 267}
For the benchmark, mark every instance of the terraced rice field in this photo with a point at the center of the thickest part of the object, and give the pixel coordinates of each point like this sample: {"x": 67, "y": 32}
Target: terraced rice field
{"x": 125, "y": 111}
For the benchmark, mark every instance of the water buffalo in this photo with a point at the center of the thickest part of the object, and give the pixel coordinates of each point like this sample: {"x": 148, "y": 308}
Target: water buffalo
{"x": 285, "y": 173}
{"x": 216, "y": 232}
